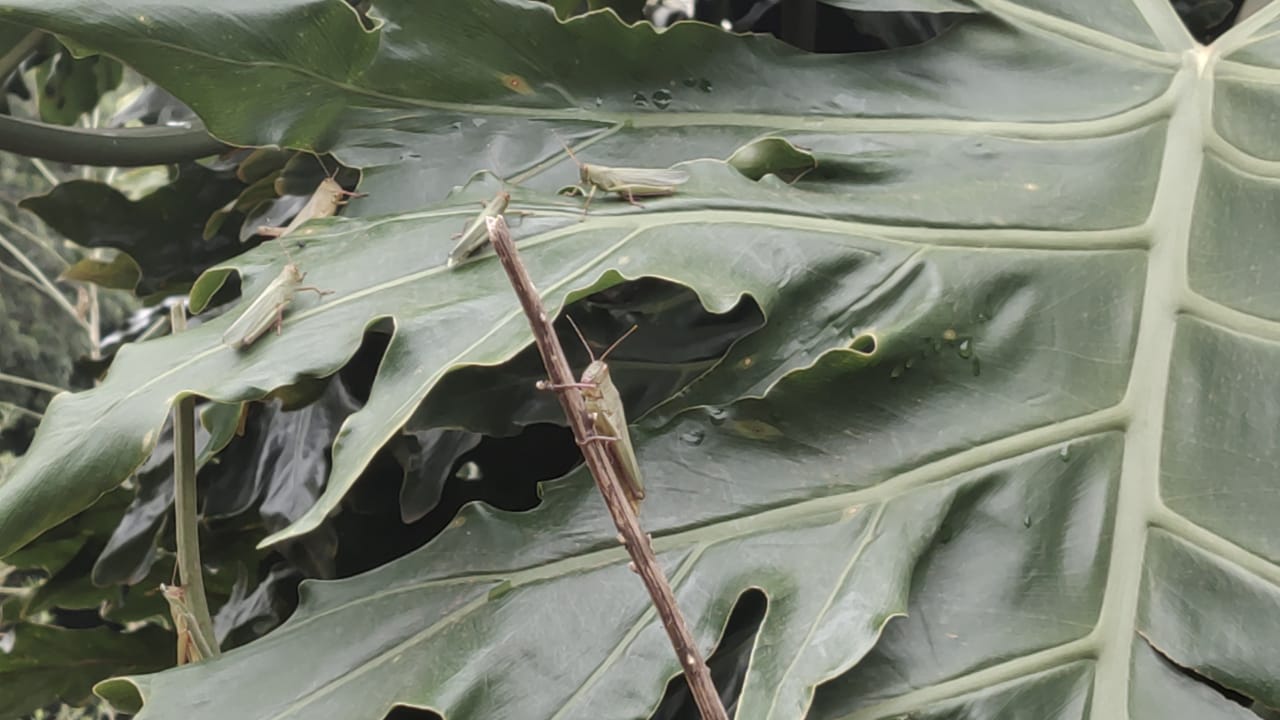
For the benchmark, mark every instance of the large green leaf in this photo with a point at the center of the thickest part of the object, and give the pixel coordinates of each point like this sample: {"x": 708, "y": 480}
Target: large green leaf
{"x": 1003, "y": 447}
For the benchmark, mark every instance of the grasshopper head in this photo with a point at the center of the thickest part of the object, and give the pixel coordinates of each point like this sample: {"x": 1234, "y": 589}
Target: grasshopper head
{"x": 295, "y": 274}
{"x": 584, "y": 172}
{"x": 597, "y": 373}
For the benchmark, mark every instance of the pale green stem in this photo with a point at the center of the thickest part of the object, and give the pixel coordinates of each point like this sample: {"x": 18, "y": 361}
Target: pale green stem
{"x": 35, "y": 272}
{"x": 26, "y": 382}
{"x": 41, "y": 242}
{"x": 95, "y": 324}
{"x": 44, "y": 170}
{"x": 21, "y": 410}
{"x": 184, "y": 509}
{"x": 19, "y": 275}
{"x": 152, "y": 329}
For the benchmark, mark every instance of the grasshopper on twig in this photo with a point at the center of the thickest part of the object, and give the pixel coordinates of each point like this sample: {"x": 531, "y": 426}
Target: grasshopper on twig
{"x": 191, "y": 647}
{"x": 608, "y": 417}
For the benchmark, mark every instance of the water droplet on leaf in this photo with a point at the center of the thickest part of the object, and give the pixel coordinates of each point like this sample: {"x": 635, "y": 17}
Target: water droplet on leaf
{"x": 639, "y": 100}
{"x": 662, "y": 99}
{"x": 965, "y": 350}
{"x": 1064, "y": 454}
{"x": 693, "y": 437}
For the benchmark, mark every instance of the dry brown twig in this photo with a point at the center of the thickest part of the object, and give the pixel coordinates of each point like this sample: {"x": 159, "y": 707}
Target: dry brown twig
{"x": 637, "y": 542}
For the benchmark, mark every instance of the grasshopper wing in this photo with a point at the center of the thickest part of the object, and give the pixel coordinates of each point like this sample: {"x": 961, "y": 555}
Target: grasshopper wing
{"x": 638, "y": 178}
{"x": 261, "y": 313}
{"x": 613, "y": 423}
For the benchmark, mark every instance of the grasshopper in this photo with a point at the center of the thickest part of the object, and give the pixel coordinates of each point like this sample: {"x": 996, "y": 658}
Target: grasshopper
{"x": 267, "y": 310}
{"x": 608, "y": 418}
{"x": 628, "y": 183}
{"x": 324, "y": 202}
{"x": 191, "y": 647}
{"x": 476, "y": 234}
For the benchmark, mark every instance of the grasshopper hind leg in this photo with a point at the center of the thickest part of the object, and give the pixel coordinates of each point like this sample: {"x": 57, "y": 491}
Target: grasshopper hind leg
{"x": 587, "y": 204}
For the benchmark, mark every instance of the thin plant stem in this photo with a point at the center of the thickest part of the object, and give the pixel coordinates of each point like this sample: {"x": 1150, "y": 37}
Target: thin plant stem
{"x": 44, "y": 170}
{"x": 35, "y": 272}
{"x": 19, "y": 275}
{"x": 21, "y": 410}
{"x": 152, "y": 329}
{"x": 34, "y": 239}
{"x": 95, "y": 324}
{"x": 639, "y": 544}
{"x": 27, "y": 382}
{"x": 186, "y": 525}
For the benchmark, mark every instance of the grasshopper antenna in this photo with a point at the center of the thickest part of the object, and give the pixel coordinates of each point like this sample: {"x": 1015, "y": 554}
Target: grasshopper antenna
{"x": 325, "y": 168}
{"x": 565, "y": 145}
{"x": 618, "y": 342}
{"x": 583, "y": 339}
{"x": 608, "y": 350}
{"x": 334, "y": 177}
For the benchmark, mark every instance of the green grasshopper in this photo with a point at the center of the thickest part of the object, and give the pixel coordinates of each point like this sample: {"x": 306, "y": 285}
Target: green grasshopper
{"x": 476, "y": 234}
{"x": 191, "y": 647}
{"x": 608, "y": 418}
{"x": 324, "y": 202}
{"x": 267, "y": 310}
{"x": 628, "y": 183}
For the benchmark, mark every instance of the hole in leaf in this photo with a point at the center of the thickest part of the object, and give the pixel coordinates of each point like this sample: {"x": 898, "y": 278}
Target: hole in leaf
{"x": 677, "y": 342}
{"x": 509, "y": 470}
{"x": 1207, "y": 19}
{"x": 403, "y": 712}
{"x": 362, "y": 368}
{"x": 728, "y": 663}
{"x": 864, "y": 343}
{"x": 824, "y": 28}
